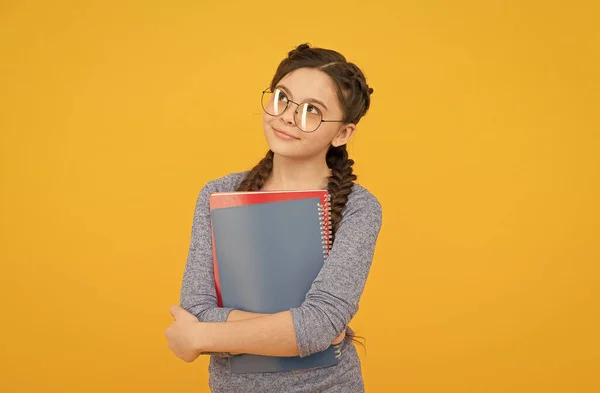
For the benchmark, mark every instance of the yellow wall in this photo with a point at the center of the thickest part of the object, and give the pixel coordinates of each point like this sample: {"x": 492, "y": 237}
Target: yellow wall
{"x": 482, "y": 145}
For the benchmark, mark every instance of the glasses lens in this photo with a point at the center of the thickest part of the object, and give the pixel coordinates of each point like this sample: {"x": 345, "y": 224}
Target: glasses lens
{"x": 274, "y": 103}
{"x": 308, "y": 117}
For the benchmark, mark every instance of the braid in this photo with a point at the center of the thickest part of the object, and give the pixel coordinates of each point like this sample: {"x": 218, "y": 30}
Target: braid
{"x": 340, "y": 185}
{"x": 299, "y": 48}
{"x": 353, "y": 91}
{"x": 256, "y": 178}
{"x": 340, "y": 182}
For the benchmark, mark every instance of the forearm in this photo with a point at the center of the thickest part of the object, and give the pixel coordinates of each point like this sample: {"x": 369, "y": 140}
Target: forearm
{"x": 269, "y": 335}
{"x": 238, "y": 315}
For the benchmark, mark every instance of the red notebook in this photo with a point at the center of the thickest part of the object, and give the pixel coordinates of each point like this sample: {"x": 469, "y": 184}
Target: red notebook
{"x": 230, "y": 199}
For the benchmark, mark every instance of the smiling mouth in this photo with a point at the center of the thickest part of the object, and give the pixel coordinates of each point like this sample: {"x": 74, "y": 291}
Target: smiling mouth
{"x": 284, "y": 133}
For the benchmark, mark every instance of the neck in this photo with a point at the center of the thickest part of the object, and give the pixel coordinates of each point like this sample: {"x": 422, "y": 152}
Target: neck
{"x": 298, "y": 174}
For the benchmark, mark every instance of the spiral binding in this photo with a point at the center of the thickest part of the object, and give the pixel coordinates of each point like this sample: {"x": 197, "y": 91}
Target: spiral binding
{"x": 325, "y": 225}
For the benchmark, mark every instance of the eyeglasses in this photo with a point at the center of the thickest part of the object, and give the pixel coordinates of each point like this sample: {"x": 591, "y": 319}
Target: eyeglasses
{"x": 306, "y": 116}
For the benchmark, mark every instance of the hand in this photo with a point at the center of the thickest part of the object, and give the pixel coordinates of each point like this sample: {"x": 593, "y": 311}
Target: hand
{"x": 339, "y": 338}
{"x": 182, "y": 334}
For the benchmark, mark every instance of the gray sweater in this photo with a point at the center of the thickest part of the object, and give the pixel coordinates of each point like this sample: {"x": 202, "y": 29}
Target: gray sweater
{"x": 330, "y": 304}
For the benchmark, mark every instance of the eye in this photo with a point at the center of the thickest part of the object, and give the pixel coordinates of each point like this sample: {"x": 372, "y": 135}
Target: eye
{"x": 313, "y": 110}
{"x": 281, "y": 96}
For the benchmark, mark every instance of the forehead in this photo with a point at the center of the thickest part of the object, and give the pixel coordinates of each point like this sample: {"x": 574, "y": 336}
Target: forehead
{"x": 305, "y": 83}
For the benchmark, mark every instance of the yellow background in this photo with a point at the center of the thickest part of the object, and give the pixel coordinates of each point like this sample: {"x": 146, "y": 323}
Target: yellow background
{"x": 482, "y": 145}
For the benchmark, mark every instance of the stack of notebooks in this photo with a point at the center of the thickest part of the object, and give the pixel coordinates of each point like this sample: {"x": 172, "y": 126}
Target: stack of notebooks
{"x": 268, "y": 247}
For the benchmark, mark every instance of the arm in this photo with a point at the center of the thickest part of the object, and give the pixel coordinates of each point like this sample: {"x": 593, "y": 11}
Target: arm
{"x": 237, "y": 315}
{"x": 198, "y": 295}
{"x": 330, "y": 304}
{"x": 270, "y": 335}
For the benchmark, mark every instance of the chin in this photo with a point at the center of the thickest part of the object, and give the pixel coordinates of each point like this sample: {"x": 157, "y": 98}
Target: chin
{"x": 282, "y": 148}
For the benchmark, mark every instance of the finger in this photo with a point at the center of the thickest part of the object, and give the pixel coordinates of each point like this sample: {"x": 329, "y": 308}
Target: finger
{"x": 175, "y": 311}
{"x": 181, "y": 314}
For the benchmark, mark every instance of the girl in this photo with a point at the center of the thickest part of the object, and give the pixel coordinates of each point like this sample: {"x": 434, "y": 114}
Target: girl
{"x": 311, "y": 110}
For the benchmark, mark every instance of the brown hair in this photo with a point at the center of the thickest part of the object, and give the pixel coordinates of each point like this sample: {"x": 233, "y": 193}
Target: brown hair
{"x": 354, "y": 97}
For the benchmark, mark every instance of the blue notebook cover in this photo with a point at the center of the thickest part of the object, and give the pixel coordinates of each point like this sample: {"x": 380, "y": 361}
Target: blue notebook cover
{"x": 268, "y": 255}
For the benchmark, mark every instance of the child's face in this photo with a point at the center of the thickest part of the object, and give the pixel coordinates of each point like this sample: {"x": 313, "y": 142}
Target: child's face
{"x": 305, "y": 85}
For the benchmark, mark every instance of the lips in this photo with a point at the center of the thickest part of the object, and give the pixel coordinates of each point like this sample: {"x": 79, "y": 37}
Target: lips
{"x": 285, "y": 133}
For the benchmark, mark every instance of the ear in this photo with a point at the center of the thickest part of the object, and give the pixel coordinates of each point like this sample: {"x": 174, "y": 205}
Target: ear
{"x": 344, "y": 135}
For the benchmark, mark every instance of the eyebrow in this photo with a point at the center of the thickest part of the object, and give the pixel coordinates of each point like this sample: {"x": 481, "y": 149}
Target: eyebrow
{"x": 282, "y": 87}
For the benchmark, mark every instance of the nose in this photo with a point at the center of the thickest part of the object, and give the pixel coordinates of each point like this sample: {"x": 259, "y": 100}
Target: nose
{"x": 288, "y": 115}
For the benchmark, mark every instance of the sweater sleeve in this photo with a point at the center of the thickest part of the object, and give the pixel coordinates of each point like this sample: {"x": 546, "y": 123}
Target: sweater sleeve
{"x": 332, "y": 300}
{"x": 198, "y": 293}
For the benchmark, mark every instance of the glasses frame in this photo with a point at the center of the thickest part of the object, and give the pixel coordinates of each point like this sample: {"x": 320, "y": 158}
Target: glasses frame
{"x": 268, "y": 90}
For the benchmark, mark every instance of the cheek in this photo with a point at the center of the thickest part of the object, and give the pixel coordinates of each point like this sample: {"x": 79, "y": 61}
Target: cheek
{"x": 321, "y": 138}
{"x": 267, "y": 122}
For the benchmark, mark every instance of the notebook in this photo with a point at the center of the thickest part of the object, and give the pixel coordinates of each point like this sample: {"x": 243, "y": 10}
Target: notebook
{"x": 268, "y": 247}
